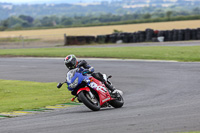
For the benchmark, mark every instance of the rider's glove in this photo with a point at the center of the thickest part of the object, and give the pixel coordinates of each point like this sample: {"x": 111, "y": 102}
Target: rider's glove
{"x": 86, "y": 71}
{"x": 91, "y": 70}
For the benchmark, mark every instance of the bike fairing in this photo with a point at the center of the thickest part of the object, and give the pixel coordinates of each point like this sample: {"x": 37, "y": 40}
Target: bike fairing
{"x": 75, "y": 77}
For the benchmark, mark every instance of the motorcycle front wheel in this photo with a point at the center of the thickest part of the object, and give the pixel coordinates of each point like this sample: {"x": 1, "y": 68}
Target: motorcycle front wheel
{"x": 91, "y": 103}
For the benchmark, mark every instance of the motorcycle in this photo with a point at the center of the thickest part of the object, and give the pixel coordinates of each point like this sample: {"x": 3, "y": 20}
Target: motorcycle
{"x": 92, "y": 92}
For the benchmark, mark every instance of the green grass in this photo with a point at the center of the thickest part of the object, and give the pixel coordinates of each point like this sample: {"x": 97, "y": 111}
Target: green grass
{"x": 20, "y": 95}
{"x": 179, "y": 53}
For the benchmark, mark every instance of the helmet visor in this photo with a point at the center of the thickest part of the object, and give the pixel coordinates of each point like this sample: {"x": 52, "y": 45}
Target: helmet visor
{"x": 71, "y": 64}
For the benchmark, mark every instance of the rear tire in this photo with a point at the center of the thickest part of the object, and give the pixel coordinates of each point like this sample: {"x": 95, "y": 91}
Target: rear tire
{"x": 118, "y": 102}
{"x": 87, "y": 100}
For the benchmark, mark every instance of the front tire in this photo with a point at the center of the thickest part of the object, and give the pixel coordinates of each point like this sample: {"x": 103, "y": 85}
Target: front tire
{"x": 118, "y": 102}
{"x": 91, "y": 103}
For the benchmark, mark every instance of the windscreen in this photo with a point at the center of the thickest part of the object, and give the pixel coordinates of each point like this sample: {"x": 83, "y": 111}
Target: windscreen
{"x": 70, "y": 74}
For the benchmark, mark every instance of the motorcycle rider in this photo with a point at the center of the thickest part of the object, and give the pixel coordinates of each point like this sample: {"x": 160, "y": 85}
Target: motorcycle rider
{"x": 71, "y": 62}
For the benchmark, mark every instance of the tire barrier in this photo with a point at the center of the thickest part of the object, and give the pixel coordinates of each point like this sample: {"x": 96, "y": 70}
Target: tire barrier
{"x": 180, "y": 35}
{"x": 198, "y": 34}
{"x": 149, "y": 35}
{"x": 187, "y": 34}
{"x": 101, "y": 39}
{"x": 79, "y": 40}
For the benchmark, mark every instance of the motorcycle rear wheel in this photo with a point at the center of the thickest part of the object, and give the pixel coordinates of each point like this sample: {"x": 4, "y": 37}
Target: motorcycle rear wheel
{"x": 118, "y": 102}
{"x": 91, "y": 103}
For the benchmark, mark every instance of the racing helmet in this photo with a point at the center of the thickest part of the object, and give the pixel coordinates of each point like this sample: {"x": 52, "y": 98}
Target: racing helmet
{"x": 70, "y": 61}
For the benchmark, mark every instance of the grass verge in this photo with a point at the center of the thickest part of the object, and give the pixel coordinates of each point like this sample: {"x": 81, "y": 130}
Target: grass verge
{"x": 21, "y": 95}
{"x": 179, "y": 53}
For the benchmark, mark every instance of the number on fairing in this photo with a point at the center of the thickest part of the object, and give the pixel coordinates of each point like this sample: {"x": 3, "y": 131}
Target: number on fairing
{"x": 100, "y": 88}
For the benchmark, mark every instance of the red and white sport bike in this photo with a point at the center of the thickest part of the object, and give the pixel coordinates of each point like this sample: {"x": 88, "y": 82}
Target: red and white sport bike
{"x": 92, "y": 92}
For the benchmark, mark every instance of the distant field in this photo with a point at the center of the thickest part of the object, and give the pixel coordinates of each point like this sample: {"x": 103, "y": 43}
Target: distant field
{"x": 57, "y": 34}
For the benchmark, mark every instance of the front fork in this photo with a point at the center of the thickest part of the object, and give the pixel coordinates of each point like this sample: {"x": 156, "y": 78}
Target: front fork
{"x": 91, "y": 95}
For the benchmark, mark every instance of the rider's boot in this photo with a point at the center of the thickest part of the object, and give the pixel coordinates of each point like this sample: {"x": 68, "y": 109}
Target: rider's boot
{"x": 113, "y": 90}
{"x": 110, "y": 87}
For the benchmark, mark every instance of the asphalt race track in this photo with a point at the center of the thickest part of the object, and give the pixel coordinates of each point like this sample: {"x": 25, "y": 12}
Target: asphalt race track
{"x": 160, "y": 97}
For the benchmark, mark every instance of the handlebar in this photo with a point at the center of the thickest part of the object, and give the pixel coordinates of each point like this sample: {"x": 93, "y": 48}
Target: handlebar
{"x": 59, "y": 85}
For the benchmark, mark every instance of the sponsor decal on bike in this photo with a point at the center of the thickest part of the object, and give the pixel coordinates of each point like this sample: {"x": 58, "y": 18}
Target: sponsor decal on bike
{"x": 99, "y": 88}
{"x": 102, "y": 89}
{"x": 106, "y": 99}
{"x": 93, "y": 85}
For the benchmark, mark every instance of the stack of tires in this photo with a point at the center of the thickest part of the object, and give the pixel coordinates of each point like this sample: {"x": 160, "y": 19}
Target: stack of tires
{"x": 126, "y": 37}
{"x": 174, "y": 35}
{"x": 149, "y": 34}
{"x": 130, "y": 37}
{"x": 119, "y": 36}
{"x": 71, "y": 40}
{"x": 168, "y": 35}
{"x": 85, "y": 39}
{"x": 112, "y": 38}
{"x": 193, "y": 34}
{"x": 135, "y": 37}
{"x": 101, "y": 38}
{"x": 159, "y": 34}
{"x": 142, "y": 36}
{"x": 187, "y": 34}
{"x": 198, "y": 34}
{"x": 107, "y": 40}
{"x": 79, "y": 40}
{"x": 180, "y": 35}
{"x": 90, "y": 39}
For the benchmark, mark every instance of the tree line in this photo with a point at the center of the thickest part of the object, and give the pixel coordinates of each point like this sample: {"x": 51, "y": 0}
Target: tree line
{"x": 29, "y": 22}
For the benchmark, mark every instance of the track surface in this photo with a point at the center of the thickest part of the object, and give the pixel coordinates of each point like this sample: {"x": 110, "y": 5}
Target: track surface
{"x": 160, "y": 97}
